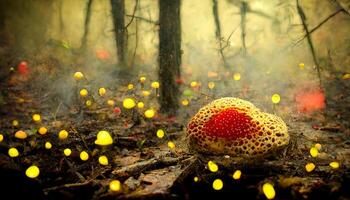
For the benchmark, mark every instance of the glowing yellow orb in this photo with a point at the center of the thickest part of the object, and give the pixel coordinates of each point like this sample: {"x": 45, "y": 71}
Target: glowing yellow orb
{"x": 218, "y": 184}
{"x": 67, "y": 152}
{"x": 185, "y": 102}
{"x": 334, "y": 165}
{"x": 130, "y": 86}
{"x": 276, "y": 98}
{"x": 42, "y": 130}
{"x": 194, "y": 84}
{"x": 301, "y": 65}
{"x": 213, "y": 167}
{"x": 346, "y": 76}
{"x": 155, "y": 85}
{"x": 13, "y": 152}
{"x": 15, "y": 123}
{"x": 1, "y": 137}
{"x": 269, "y": 191}
{"x": 83, "y": 92}
{"x": 171, "y": 145}
{"x": 140, "y": 105}
{"x": 21, "y": 135}
{"x": 78, "y": 75}
{"x": 102, "y": 91}
{"x": 110, "y": 102}
{"x": 84, "y": 156}
{"x": 48, "y": 145}
{"x": 146, "y": 93}
{"x": 237, "y": 174}
{"x": 129, "y": 103}
{"x": 160, "y": 133}
{"x": 310, "y": 167}
{"x": 318, "y": 146}
{"x": 236, "y": 76}
{"x": 104, "y": 138}
{"x": 115, "y": 186}
{"x": 142, "y": 79}
{"x": 103, "y": 160}
{"x": 195, "y": 179}
{"x": 63, "y": 134}
{"x": 313, "y": 152}
{"x": 36, "y": 118}
{"x": 211, "y": 85}
{"x": 88, "y": 103}
{"x": 150, "y": 113}
{"x": 32, "y": 171}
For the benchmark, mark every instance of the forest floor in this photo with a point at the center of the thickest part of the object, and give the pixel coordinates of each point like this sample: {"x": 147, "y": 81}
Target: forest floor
{"x": 144, "y": 163}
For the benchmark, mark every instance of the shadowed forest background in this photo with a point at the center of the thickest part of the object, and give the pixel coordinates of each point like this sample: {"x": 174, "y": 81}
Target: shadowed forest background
{"x": 197, "y": 51}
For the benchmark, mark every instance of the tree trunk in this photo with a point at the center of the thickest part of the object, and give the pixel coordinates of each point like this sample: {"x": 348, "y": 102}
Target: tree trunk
{"x": 118, "y": 11}
{"x": 86, "y": 26}
{"x": 244, "y": 9}
{"x": 169, "y": 54}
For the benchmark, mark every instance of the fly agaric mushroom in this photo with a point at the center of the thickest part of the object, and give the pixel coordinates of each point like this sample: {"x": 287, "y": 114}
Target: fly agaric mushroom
{"x": 235, "y": 127}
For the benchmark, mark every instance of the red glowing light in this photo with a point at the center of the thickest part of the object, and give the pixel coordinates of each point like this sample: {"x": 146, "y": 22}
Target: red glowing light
{"x": 310, "y": 100}
{"x": 179, "y": 81}
{"x": 102, "y": 54}
{"x": 23, "y": 68}
{"x": 117, "y": 110}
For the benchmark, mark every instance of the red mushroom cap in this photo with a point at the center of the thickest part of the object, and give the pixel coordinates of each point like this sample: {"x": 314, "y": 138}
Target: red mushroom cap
{"x": 235, "y": 127}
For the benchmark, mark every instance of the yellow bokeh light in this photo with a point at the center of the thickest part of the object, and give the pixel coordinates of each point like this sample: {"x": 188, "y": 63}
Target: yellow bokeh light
{"x": 142, "y": 79}
{"x": 88, "y": 103}
{"x": 84, "y": 156}
{"x": 195, "y": 179}
{"x": 67, "y": 152}
{"x": 160, "y": 133}
{"x": 171, "y": 145}
{"x": 218, "y": 184}
{"x": 36, "y": 118}
{"x": 269, "y": 191}
{"x": 237, "y": 174}
{"x": 32, "y": 171}
{"x": 13, "y": 152}
{"x": 140, "y": 105}
{"x": 309, "y": 167}
{"x": 130, "y": 86}
{"x": 318, "y": 146}
{"x": 194, "y": 84}
{"x": 129, "y": 103}
{"x": 276, "y": 98}
{"x": 346, "y": 76}
{"x": 313, "y": 152}
{"x": 48, "y": 145}
{"x": 236, "y": 76}
{"x": 42, "y": 130}
{"x": 103, "y": 160}
{"x": 185, "y": 102}
{"x": 301, "y": 65}
{"x": 1, "y": 137}
{"x": 212, "y": 166}
{"x": 150, "y": 113}
{"x": 115, "y": 186}
{"x": 110, "y": 102}
{"x": 334, "y": 165}
{"x": 102, "y": 91}
{"x": 104, "y": 138}
{"x": 63, "y": 134}
{"x": 211, "y": 85}
{"x": 21, "y": 134}
{"x": 83, "y": 92}
{"x": 146, "y": 93}
{"x": 155, "y": 85}
{"x": 78, "y": 75}
{"x": 15, "y": 123}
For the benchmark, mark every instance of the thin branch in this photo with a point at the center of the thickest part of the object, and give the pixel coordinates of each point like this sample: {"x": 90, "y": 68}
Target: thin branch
{"x": 144, "y": 19}
{"x": 133, "y": 14}
{"x": 318, "y": 26}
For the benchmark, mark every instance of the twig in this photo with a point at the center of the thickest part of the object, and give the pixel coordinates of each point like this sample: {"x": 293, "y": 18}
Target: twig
{"x": 82, "y": 139}
{"x": 144, "y": 19}
{"x": 133, "y": 14}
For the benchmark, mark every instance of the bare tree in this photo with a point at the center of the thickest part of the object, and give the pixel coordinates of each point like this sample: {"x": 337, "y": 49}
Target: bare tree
{"x": 86, "y": 25}
{"x": 169, "y": 54}
{"x": 118, "y": 11}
